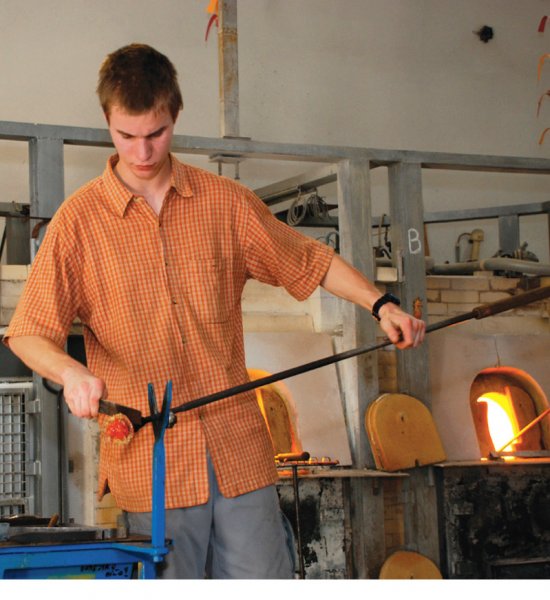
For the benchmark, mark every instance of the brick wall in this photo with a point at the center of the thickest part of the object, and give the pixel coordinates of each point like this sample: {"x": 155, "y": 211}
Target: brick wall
{"x": 448, "y": 296}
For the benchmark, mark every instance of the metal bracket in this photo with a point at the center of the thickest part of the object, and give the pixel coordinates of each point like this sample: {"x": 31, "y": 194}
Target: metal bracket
{"x": 430, "y": 476}
{"x": 227, "y": 159}
{"x": 33, "y": 407}
{"x": 33, "y": 468}
{"x": 399, "y": 266}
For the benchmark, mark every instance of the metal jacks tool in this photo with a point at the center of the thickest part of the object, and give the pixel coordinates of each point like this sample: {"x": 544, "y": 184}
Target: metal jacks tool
{"x": 160, "y": 423}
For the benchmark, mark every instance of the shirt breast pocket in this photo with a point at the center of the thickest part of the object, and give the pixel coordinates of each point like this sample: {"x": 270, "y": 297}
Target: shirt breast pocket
{"x": 207, "y": 287}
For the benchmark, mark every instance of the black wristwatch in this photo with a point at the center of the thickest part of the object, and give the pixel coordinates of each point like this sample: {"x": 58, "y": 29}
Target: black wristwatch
{"x": 380, "y": 303}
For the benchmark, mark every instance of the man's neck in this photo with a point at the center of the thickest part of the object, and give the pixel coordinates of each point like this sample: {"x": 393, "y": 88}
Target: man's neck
{"x": 152, "y": 190}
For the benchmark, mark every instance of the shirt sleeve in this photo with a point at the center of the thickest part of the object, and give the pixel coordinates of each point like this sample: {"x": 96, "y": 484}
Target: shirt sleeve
{"x": 48, "y": 304}
{"x": 282, "y": 256}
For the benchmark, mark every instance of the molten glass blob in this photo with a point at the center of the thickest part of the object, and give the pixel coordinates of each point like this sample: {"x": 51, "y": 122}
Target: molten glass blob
{"x": 118, "y": 429}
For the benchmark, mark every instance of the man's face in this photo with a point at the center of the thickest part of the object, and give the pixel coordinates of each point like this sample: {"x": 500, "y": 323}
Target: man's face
{"x": 142, "y": 143}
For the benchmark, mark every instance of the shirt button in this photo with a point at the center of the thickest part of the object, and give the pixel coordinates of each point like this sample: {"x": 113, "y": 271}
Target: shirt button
{"x": 174, "y": 301}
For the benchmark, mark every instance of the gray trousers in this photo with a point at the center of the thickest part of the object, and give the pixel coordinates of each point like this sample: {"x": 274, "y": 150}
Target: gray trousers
{"x": 246, "y": 537}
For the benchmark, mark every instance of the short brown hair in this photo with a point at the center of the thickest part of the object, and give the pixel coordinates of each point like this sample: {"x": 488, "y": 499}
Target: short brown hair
{"x": 138, "y": 78}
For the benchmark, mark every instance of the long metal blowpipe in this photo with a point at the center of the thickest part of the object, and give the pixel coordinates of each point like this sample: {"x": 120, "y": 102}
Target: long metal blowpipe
{"x": 479, "y": 312}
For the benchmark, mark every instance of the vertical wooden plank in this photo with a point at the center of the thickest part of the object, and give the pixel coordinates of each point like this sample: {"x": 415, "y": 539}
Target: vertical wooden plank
{"x": 228, "y": 61}
{"x": 407, "y": 226}
{"x": 407, "y": 237}
{"x": 46, "y": 175}
{"x": 359, "y": 375}
{"x": 421, "y": 516}
{"x": 47, "y": 189}
{"x": 364, "y": 502}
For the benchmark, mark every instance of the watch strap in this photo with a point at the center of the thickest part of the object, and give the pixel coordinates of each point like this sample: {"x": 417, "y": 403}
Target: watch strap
{"x": 380, "y": 303}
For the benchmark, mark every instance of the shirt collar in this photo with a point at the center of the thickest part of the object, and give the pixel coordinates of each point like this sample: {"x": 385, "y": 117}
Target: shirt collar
{"x": 121, "y": 196}
{"x": 180, "y": 178}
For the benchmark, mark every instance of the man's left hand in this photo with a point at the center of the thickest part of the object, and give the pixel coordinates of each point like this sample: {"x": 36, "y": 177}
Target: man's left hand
{"x": 404, "y": 330}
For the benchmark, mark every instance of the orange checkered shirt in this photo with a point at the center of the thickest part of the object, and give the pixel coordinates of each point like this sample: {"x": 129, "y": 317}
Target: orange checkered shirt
{"x": 159, "y": 298}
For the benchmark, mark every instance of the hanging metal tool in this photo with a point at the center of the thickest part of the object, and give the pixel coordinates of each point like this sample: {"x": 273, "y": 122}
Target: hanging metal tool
{"x": 160, "y": 423}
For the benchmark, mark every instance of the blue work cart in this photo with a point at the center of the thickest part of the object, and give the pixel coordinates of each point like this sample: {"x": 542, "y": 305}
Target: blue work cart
{"x": 133, "y": 557}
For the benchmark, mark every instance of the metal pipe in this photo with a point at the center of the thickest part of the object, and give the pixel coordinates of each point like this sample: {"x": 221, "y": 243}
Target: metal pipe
{"x": 524, "y": 430}
{"x": 526, "y": 267}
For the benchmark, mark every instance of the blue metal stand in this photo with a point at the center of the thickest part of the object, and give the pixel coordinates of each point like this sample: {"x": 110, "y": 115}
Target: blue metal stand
{"x": 103, "y": 560}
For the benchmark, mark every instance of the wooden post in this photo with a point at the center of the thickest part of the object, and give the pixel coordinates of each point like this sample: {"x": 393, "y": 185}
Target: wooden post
{"x": 407, "y": 238}
{"x": 407, "y": 227}
{"x": 360, "y": 376}
{"x": 228, "y": 68}
{"x": 47, "y": 192}
{"x": 46, "y": 175}
{"x": 364, "y": 502}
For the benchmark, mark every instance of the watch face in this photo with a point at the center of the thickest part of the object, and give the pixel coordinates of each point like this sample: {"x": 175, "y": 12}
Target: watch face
{"x": 394, "y": 299}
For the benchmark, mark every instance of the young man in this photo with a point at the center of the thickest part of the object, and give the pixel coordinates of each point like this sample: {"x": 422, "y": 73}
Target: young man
{"x": 152, "y": 256}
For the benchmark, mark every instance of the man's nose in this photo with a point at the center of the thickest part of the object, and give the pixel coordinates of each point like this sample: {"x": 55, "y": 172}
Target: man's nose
{"x": 144, "y": 149}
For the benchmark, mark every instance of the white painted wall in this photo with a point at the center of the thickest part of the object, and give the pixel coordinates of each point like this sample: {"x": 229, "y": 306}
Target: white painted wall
{"x": 406, "y": 74}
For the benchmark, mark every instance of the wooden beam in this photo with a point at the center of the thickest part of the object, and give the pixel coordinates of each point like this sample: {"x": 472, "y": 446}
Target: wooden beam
{"x": 413, "y": 378}
{"x": 407, "y": 237}
{"x": 228, "y": 60}
{"x": 361, "y": 374}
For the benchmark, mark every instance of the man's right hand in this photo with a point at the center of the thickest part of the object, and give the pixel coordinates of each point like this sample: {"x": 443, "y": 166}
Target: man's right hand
{"x": 82, "y": 391}
{"x": 81, "y": 388}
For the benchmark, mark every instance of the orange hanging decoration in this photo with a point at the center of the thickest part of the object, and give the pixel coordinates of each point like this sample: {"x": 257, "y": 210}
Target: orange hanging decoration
{"x": 541, "y": 63}
{"x": 213, "y": 10}
{"x": 543, "y": 134}
{"x": 547, "y": 93}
